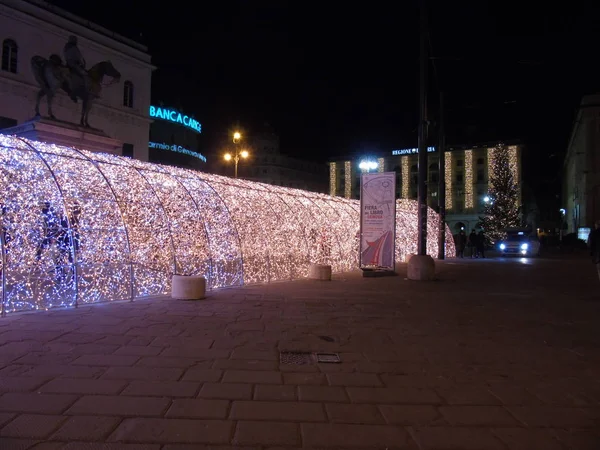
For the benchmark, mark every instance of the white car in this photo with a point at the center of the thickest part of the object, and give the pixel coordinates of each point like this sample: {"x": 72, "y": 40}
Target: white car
{"x": 520, "y": 245}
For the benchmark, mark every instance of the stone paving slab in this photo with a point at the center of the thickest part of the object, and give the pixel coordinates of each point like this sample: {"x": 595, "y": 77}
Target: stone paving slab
{"x": 497, "y": 354}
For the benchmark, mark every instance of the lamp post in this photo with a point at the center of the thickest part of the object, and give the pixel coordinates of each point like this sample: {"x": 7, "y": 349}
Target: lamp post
{"x": 237, "y": 137}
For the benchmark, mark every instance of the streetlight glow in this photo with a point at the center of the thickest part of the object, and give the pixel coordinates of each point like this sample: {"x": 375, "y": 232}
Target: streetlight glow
{"x": 368, "y": 165}
{"x": 486, "y": 199}
{"x": 237, "y": 154}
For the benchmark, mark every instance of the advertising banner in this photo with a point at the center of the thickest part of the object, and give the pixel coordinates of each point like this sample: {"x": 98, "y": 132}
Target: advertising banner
{"x": 377, "y": 220}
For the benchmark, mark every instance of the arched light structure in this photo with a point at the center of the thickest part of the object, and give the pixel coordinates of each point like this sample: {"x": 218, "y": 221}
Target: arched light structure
{"x": 82, "y": 227}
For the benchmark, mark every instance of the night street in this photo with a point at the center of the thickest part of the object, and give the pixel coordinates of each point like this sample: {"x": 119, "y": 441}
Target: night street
{"x": 497, "y": 354}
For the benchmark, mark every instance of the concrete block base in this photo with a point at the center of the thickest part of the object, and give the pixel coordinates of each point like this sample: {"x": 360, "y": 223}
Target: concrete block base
{"x": 320, "y": 272}
{"x": 378, "y": 273}
{"x": 421, "y": 268}
{"x": 188, "y": 287}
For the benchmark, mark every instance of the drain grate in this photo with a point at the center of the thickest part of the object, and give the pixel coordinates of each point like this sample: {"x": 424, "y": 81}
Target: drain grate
{"x": 328, "y": 358}
{"x": 295, "y": 358}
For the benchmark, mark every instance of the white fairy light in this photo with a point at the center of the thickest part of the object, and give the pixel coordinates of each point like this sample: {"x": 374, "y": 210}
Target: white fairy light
{"x": 348, "y": 179}
{"x": 448, "y": 180}
{"x": 82, "y": 227}
{"x": 332, "y": 179}
{"x": 468, "y": 179}
{"x": 405, "y": 177}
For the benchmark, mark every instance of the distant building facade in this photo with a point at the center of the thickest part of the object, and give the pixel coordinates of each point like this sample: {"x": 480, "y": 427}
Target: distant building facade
{"x": 175, "y": 138}
{"x": 466, "y": 174}
{"x": 581, "y": 179}
{"x": 266, "y": 164}
{"x": 34, "y": 27}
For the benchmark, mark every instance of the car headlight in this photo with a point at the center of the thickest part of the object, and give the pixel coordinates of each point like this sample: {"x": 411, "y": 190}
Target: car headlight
{"x": 524, "y": 246}
{"x": 502, "y": 246}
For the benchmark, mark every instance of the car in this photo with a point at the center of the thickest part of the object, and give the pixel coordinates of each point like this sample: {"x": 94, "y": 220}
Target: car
{"x": 520, "y": 244}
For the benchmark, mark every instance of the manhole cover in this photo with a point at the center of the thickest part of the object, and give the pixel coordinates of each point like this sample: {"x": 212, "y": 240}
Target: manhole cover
{"x": 295, "y": 358}
{"x": 328, "y": 358}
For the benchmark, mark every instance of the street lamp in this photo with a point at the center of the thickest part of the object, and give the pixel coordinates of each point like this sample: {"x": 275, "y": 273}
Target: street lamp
{"x": 366, "y": 166}
{"x": 237, "y": 137}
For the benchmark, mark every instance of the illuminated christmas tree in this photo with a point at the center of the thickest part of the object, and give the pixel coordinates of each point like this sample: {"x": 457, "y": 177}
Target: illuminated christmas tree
{"x": 502, "y": 208}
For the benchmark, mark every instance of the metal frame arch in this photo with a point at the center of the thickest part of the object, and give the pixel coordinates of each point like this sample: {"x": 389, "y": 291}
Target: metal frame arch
{"x": 208, "y": 239}
{"x": 96, "y": 164}
{"x": 277, "y": 192}
{"x": 237, "y": 233}
{"x": 340, "y": 205}
{"x": 167, "y": 220}
{"x": 248, "y": 186}
{"x": 347, "y": 206}
{"x": 312, "y": 198}
{"x": 226, "y": 181}
{"x": 3, "y": 268}
{"x": 70, "y": 228}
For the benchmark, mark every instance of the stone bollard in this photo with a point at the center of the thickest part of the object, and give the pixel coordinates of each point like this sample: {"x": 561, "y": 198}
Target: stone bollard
{"x": 188, "y": 287}
{"x": 421, "y": 268}
{"x": 320, "y": 272}
{"x": 408, "y": 256}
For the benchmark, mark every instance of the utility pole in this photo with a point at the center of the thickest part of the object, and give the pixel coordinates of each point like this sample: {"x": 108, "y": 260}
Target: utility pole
{"x": 442, "y": 183}
{"x": 422, "y": 188}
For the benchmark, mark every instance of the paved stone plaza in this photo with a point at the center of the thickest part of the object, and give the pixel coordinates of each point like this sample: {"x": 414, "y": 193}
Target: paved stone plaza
{"x": 495, "y": 355}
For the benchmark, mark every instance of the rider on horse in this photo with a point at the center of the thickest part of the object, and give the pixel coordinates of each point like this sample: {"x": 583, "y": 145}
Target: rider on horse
{"x": 76, "y": 64}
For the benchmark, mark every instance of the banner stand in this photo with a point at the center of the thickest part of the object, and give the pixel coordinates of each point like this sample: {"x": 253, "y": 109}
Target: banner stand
{"x": 378, "y": 224}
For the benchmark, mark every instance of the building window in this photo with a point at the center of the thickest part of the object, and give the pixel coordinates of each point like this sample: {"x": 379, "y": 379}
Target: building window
{"x": 480, "y": 175}
{"x": 10, "y": 53}
{"x": 414, "y": 174}
{"x": 434, "y": 173}
{"x": 459, "y": 163}
{"x": 128, "y": 94}
{"x": 479, "y": 161}
{"x": 459, "y": 177}
{"x": 128, "y": 150}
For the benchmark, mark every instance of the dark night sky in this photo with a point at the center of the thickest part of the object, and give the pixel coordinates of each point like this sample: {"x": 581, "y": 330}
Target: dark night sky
{"x": 337, "y": 77}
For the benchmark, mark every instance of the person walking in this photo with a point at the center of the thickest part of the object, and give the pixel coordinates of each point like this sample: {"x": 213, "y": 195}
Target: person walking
{"x": 594, "y": 244}
{"x": 461, "y": 242}
{"x": 481, "y": 244}
{"x": 473, "y": 244}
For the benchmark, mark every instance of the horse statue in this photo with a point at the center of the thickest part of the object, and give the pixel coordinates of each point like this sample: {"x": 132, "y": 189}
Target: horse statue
{"x": 52, "y": 75}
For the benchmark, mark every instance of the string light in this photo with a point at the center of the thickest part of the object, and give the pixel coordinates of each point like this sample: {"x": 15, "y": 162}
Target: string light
{"x": 82, "y": 227}
{"x": 490, "y": 161}
{"x": 332, "y": 179}
{"x": 348, "y": 179}
{"x": 502, "y": 210}
{"x": 513, "y": 162}
{"x": 405, "y": 177}
{"x": 448, "y": 179}
{"x": 468, "y": 178}
{"x": 380, "y": 164}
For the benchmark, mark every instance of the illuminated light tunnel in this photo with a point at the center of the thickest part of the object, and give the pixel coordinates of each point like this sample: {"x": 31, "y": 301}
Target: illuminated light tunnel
{"x": 80, "y": 227}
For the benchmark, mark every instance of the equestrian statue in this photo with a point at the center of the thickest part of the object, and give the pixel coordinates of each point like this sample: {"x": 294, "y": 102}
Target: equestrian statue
{"x": 72, "y": 77}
